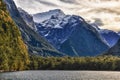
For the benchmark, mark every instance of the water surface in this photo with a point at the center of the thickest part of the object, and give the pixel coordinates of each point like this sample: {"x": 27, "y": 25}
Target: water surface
{"x": 60, "y": 75}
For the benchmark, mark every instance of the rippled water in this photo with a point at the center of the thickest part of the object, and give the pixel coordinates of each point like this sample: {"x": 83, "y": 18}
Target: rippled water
{"x": 60, "y": 75}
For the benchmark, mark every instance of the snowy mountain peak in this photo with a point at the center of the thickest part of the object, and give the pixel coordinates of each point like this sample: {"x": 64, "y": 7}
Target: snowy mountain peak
{"x": 40, "y": 17}
{"x": 60, "y": 22}
{"x": 72, "y": 35}
{"x": 107, "y": 11}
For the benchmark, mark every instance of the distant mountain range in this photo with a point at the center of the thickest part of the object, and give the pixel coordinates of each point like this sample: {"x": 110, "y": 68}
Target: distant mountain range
{"x": 100, "y": 11}
{"x": 69, "y": 34}
{"x": 54, "y": 33}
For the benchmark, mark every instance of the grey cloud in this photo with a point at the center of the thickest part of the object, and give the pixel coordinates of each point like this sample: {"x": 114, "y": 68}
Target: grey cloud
{"x": 98, "y": 22}
{"x": 69, "y": 1}
{"x": 46, "y": 3}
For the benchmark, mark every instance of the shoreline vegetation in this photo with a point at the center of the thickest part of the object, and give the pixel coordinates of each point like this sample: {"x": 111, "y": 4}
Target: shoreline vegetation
{"x": 99, "y": 63}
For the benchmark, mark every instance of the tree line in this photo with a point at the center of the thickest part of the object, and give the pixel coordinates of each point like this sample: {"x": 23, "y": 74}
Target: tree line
{"x": 74, "y": 63}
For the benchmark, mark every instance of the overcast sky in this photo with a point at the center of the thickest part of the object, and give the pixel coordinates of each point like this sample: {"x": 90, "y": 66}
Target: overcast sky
{"x": 106, "y": 12}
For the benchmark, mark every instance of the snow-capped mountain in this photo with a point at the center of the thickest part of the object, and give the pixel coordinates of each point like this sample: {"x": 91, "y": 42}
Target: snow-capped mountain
{"x": 110, "y": 36}
{"x": 40, "y": 17}
{"x": 107, "y": 11}
{"x": 36, "y": 44}
{"x": 69, "y": 34}
{"x": 72, "y": 35}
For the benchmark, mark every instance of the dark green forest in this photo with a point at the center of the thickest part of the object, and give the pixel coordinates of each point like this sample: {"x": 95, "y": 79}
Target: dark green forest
{"x": 75, "y": 63}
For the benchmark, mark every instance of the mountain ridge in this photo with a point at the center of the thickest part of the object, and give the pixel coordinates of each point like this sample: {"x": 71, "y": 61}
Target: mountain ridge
{"x": 36, "y": 44}
{"x": 40, "y": 17}
{"x": 58, "y": 29}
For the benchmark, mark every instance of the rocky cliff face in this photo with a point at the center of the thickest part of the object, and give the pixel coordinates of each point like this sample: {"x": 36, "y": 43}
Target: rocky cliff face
{"x": 27, "y": 18}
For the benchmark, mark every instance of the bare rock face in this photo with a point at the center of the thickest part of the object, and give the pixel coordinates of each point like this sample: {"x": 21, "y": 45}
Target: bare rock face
{"x": 27, "y": 18}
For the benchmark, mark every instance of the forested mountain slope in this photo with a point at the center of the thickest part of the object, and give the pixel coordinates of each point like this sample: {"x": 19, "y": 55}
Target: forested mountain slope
{"x": 13, "y": 52}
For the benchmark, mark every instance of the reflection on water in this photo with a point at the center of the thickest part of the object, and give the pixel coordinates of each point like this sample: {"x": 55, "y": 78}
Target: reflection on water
{"x": 60, "y": 75}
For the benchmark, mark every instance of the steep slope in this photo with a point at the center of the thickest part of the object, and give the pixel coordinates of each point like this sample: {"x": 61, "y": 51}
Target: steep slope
{"x": 36, "y": 44}
{"x": 115, "y": 50}
{"x": 72, "y": 35}
{"x": 13, "y": 52}
{"x": 27, "y": 18}
{"x": 110, "y": 36}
